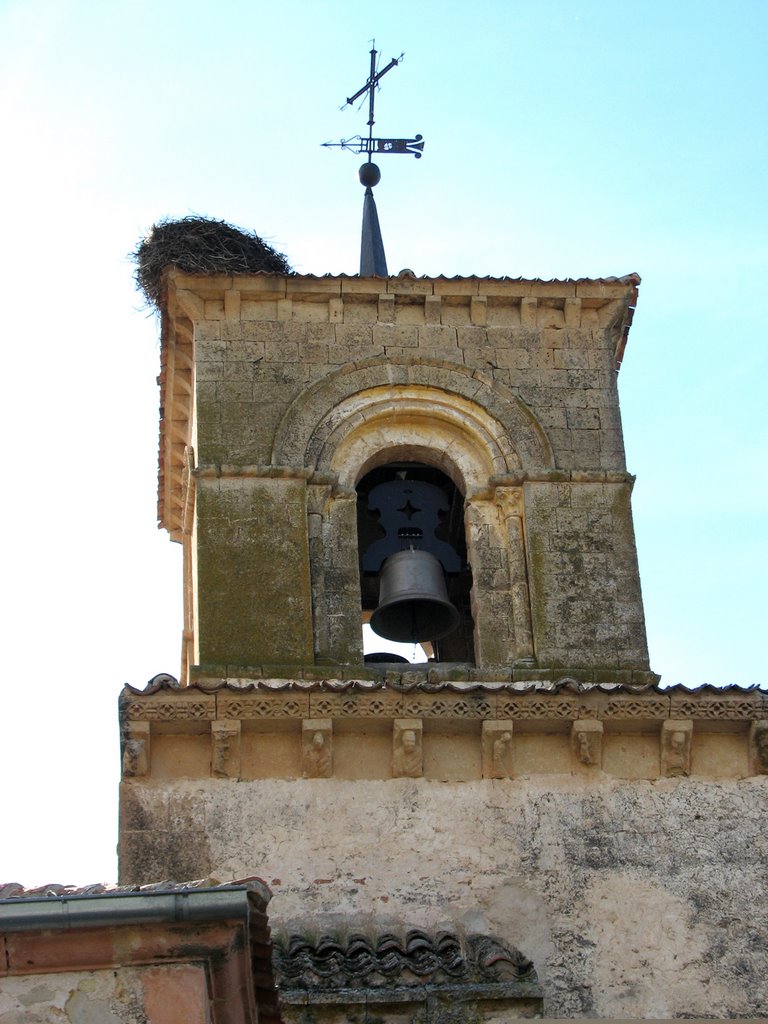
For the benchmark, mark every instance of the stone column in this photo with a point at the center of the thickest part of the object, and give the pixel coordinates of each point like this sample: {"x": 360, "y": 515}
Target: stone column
{"x": 491, "y": 599}
{"x": 341, "y": 575}
{"x": 510, "y": 500}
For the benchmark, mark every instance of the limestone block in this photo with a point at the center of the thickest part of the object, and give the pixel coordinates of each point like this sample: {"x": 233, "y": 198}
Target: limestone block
{"x": 386, "y": 310}
{"x": 439, "y": 337}
{"x": 225, "y": 749}
{"x": 433, "y": 305}
{"x": 676, "y": 736}
{"x": 232, "y": 304}
{"x": 528, "y": 311}
{"x": 407, "y": 748}
{"x": 336, "y": 310}
{"x": 497, "y": 750}
{"x": 758, "y": 747}
{"x": 572, "y": 312}
{"x": 400, "y": 336}
{"x": 284, "y": 309}
{"x": 478, "y": 310}
{"x": 317, "y": 748}
{"x": 587, "y": 742}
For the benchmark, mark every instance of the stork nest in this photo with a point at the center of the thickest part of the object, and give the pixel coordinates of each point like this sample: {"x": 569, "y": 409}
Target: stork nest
{"x": 199, "y": 245}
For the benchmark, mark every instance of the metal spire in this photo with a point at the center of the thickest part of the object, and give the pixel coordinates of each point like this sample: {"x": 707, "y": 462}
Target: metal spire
{"x": 372, "y": 258}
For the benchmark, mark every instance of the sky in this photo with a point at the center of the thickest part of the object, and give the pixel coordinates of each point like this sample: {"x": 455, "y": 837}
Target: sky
{"x": 562, "y": 139}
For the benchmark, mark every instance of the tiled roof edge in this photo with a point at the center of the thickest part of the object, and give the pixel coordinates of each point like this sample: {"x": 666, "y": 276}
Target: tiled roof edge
{"x": 54, "y": 890}
{"x": 165, "y": 682}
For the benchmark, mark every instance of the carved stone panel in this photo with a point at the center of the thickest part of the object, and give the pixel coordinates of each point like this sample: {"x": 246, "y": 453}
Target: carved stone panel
{"x": 407, "y": 749}
{"x": 587, "y": 742}
{"x": 317, "y": 748}
{"x": 676, "y": 735}
{"x": 497, "y": 750}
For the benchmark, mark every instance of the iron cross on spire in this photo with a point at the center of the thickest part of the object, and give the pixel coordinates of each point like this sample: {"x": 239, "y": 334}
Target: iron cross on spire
{"x": 357, "y": 144}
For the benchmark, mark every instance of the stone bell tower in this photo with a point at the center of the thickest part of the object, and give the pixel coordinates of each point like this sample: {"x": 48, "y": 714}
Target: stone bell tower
{"x": 282, "y": 394}
{"x": 477, "y": 794}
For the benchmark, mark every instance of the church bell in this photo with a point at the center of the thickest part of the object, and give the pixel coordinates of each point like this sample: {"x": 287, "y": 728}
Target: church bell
{"x": 411, "y": 561}
{"x": 413, "y": 599}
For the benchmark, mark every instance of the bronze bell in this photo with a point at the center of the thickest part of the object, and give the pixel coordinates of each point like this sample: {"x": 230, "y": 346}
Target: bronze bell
{"x": 413, "y": 600}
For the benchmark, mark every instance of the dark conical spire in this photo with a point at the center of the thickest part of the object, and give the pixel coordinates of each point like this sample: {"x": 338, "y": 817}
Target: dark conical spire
{"x": 372, "y": 258}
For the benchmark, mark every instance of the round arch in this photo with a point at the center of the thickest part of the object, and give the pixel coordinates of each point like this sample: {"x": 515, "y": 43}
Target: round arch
{"x": 403, "y": 409}
{"x": 415, "y": 424}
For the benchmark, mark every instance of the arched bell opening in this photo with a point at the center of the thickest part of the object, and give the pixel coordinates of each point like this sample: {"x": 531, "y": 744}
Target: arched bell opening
{"x": 415, "y": 579}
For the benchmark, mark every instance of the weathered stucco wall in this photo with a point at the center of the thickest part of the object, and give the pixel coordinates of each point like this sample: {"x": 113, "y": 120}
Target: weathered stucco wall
{"x": 172, "y": 994}
{"x": 633, "y": 899}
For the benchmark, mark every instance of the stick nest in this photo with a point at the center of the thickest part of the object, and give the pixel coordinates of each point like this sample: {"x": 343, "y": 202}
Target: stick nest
{"x": 199, "y": 245}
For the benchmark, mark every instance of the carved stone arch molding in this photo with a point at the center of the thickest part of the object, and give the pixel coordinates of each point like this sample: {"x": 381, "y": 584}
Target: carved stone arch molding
{"x": 409, "y": 409}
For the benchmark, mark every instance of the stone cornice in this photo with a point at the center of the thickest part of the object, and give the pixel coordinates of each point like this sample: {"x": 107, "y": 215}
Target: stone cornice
{"x": 411, "y": 694}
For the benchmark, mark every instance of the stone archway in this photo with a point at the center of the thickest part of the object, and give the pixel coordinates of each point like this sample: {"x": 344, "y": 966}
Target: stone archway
{"x": 358, "y": 419}
{"x": 493, "y": 418}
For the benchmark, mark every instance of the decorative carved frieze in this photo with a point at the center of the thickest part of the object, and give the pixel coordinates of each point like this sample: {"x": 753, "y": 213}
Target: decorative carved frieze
{"x": 260, "y": 705}
{"x": 374, "y": 705}
{"x": 448, "y": 707}
{"x": 520, "y": 707}
{"x": 708, "y": 708}
{"x": 177, "y": 709}
{"x": 640, "y": 707}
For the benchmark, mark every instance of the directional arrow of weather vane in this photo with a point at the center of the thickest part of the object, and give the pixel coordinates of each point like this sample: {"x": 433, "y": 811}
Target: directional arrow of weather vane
{"x": 358, "y": 144}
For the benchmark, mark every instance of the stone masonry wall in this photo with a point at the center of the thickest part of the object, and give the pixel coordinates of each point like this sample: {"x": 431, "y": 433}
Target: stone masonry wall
{"x": 584, "y": 575}
{"x": 560, "y": 361}
{"x": 632, "y": 898}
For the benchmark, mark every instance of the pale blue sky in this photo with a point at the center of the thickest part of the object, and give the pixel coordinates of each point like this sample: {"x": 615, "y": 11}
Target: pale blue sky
{"x": 562, "y": 139}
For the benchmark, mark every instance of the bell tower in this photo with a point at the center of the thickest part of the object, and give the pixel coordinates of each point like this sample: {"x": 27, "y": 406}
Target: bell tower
{"x": 314, "y": 427}
{"x": 443, "y": 458}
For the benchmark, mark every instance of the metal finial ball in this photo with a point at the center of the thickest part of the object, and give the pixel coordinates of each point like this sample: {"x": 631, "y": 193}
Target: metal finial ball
{"x": 369, "y": 174}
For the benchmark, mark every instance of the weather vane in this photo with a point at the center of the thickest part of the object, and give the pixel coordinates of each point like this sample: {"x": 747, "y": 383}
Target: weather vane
{"x": 357, "y": 144}
{"x": 372, "y": 258}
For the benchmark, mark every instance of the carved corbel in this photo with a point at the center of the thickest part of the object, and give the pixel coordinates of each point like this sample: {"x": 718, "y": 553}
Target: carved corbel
{"x": 407, "y": 749}
{"x": 676, "y": 736}
{"x": 225, "y": 749}
{"x": 136, "y": 760}
{"x": 317, "y": 748}
{"x": 587, "y": 742}
{"x": 497, "y": 750}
